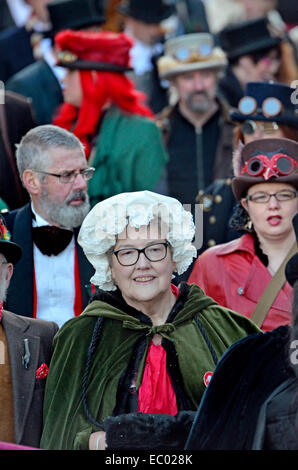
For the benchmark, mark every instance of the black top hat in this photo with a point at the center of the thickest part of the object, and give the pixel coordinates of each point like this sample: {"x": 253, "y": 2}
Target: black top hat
{"x": 247, "y": 37}
{"x": 291, "y": 269}
{"x": 10, "y": 250}
{"x": 148, "y": 11}
{"x": 75, "y": 14}
{"x": 261, "y": 91}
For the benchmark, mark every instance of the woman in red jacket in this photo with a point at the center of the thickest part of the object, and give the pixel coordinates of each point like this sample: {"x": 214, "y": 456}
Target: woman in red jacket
{"x": 237, "y": 273}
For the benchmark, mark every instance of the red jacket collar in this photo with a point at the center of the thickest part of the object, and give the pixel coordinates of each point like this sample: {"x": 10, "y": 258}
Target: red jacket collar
{"x": 244, "y": 243}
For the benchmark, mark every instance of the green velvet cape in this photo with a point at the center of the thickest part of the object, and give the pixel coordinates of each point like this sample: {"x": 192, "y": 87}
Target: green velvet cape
{"x": 65, "y": 424}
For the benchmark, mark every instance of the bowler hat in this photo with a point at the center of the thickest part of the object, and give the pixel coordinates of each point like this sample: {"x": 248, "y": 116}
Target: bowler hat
{"x": 247, "y": 37}
{"x": 270, "y": 102}
{"x": 148, "y": 11}
{"x": 291, "y": 269}
{"x": 75, "y": 14}
{"x": 92, "y": 50}
{"x": 10, "y": 250}
{"x": 188, "y": 53}
{"x": 265, "y": 160}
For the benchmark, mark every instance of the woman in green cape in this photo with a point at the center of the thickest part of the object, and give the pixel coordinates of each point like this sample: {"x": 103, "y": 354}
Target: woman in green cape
{"x": 130, "y": 371}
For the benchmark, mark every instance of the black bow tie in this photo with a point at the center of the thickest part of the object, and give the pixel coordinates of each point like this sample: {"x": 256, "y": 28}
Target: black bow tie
{"x": 51, "y": 240}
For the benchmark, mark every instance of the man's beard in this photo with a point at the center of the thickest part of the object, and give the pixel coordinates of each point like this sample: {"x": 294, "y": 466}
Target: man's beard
{"x": 198, "y": 106}
{"x": 64, "y": 214}
{"x": 3, "y": 286}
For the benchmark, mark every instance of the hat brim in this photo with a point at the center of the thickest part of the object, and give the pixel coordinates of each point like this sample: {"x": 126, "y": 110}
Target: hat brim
{"x": 146, "y": 17}
{"x": 240, "y": 184}
{"x": 216, "y": 64}
{"x": 254, "y": 47}
{"x": 91, "y": 65}
{"x": 286, "y": 119}
{"x": 11, "y": 251}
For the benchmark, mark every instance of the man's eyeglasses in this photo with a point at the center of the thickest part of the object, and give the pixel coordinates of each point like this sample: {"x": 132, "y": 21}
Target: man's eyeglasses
{"x": 130, "y": 256}
{"x": 70, "y": 176}
{"x": 281, "y": 196}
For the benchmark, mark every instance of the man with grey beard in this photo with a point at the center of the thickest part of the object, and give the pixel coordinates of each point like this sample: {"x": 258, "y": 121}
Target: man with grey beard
{"x": 198, "y": 134}
{"x": 52, "y": 281}
{"x": 25, "y": 353}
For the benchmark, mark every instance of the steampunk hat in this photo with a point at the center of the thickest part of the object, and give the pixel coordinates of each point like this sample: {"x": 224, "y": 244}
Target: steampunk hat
{"x": 188, "y": 53}
{"x": 247, "y": 37}
{"x": 75, "y": 14}
{"x": 265, "y": 101}
{"x": 148, "y": 11}
{"x": 265, "y": 160}
{"x": 90, "y": 50}
{"x": 291, "y": 269}
{"x": 10, "y": 250}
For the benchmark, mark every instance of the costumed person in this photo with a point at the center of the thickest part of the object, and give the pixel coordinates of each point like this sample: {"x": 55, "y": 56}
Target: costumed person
{"x": 148, "y": 348}
{"x": 196, "y": 128}
{"x": 251, "y": 402}
{"x": 267, "y": 110}
{"x": 148, "y": 23}
{"x": 254, "y": 53}
{"x": 51, "y": 281}
{"x": 247, "y": 274}
{"x": 25, "y": 354}
{"x": 42, "y": 80}
{"x": 107, "y": 114}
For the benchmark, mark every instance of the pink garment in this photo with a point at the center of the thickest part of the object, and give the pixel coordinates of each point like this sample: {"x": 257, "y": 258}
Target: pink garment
{"x": 234, "y": 276}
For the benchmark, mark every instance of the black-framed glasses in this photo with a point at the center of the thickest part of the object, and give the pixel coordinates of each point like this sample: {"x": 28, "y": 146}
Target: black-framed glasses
{"x": 281, "y": 196}
{"x": 130, "y": 256}
{"x": 70, "y": 176}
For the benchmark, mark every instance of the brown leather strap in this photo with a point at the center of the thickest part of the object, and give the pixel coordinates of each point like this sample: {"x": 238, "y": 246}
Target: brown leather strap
{"x": 275, "y": 285}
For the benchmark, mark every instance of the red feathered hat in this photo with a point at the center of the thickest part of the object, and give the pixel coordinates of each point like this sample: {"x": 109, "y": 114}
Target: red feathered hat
{"x": 90, "y": 50}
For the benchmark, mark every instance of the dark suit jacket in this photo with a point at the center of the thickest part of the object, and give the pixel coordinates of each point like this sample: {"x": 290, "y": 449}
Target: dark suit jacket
{"x": 20, "y": 291}
{"x": 28, "y": 391}
{"x": 16, "y": 119}
{"x": 37, "y": 81}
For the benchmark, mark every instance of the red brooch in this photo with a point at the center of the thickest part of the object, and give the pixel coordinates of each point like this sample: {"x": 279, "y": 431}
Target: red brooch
{"x": 42, "y": 371}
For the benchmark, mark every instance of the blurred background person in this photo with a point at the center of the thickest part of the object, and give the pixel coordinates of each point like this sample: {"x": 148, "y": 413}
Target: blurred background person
{"x": 247, "y": 274}
{"x": 42, "y": 80}
{"x": 105, "y": 111}
{"x": 267, "y": 110}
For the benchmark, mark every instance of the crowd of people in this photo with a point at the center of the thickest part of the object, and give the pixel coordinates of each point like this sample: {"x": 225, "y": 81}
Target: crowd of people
{"x": 120, "y": 327}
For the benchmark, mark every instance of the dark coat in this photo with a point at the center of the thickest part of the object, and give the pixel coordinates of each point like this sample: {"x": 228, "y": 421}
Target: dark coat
{"x": 38, "y": 82}
{"x": 16, "y": 119}
{"x": 230, "y": 89}
{"x": 187, "y": 147}
{"x": 20, "y": 292}
{"x": 244, "y": 378}
{"x": 218, "y": 204}
{"x": 16, "y": 51}
{"x": 28, "y": 392}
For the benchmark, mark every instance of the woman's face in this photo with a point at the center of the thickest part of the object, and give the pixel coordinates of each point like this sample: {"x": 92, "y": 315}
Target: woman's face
{"x": 144, "y": 281}
{"x": 271, "y": 220}
{"x": 72, "y": 88}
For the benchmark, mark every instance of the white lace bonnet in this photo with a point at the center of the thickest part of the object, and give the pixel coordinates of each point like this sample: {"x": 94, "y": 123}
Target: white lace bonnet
{"x": 98, "y": 233}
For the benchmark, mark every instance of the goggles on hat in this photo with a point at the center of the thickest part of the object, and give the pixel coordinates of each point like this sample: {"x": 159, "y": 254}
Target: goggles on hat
{"x": 248, "y": 127}
{"x": 279, "y": 165}
{"x": 270, "y": 107}
{"x": 183, "y": 54}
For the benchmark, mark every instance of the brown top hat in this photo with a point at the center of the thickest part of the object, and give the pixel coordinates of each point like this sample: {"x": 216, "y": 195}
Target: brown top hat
{"x": 265, "y": 160}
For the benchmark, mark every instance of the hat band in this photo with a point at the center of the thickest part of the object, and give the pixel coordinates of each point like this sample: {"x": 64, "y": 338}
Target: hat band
{"x": 68, "y": 58}
{"x": 279, "y": 165}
